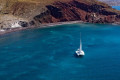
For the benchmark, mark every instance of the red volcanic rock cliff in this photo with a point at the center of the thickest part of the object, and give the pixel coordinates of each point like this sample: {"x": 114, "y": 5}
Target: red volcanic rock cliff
{"x": 35, "y": 12}
{"x": 78, "y": 10}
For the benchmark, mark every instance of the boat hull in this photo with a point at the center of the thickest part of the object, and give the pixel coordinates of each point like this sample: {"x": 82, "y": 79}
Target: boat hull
{"x": 80, "y": 53}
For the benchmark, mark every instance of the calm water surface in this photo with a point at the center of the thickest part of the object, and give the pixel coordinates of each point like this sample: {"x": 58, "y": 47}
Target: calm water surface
{"x": 48, "y": 54}
{"x": 116, "y": 7}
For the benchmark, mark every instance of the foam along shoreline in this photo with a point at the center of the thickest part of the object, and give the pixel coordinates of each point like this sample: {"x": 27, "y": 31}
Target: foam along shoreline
{"x": 16, "y": 27}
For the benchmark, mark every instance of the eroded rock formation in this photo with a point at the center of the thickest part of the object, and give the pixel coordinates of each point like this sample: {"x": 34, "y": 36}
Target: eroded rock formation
{"x": 60, "y": 11}
{"x": 78, "y": 10}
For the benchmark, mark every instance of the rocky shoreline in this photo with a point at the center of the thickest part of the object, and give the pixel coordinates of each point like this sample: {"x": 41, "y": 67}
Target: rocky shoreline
{"x": 41, "y": 26}
{"x": 46, "y": 26}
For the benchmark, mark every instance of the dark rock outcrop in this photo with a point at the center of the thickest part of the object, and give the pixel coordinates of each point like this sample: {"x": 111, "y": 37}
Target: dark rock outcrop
{"x": 23, "y": 23}
{"x": 55, "y": 12}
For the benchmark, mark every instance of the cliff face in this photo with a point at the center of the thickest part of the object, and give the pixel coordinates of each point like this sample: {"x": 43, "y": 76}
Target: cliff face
{"x": 78, "y": 10}
{"x": 36, "y": 13}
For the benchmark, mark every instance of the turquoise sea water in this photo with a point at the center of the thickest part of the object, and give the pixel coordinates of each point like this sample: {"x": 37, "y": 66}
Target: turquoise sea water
{"x": 116, "y": 7}
{"x": 48, "y": 54}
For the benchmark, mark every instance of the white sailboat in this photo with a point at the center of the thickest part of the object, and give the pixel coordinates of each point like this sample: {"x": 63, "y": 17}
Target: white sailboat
{"x": 80, "y": 52}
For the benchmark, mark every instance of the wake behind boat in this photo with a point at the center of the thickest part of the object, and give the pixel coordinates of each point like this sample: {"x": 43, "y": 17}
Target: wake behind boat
{"x": 80, "y": 52}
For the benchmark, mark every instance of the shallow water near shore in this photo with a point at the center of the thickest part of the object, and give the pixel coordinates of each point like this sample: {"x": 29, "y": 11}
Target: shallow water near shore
{"x": 48, "y": 53}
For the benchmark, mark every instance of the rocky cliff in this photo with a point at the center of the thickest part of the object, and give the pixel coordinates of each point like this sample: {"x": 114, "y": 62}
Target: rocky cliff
{"x": 36, "y": 12}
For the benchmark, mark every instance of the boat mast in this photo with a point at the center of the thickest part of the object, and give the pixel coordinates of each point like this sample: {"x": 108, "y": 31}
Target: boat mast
{"x": 80, "y": 43}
